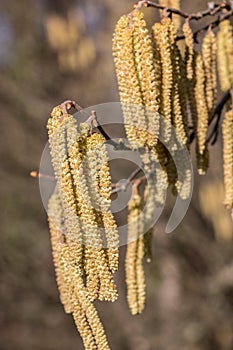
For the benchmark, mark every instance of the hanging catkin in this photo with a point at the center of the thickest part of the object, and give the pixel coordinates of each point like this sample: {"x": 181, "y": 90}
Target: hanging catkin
{"x": 77, "y": 149}
{"x": 189, "y": 52}
{"x": 209, "y": 52}
{"x": 225, "y": 55}
{"x": 69, "y": 278}
{"x": 57, "y": 129}
{"x": 128, "y": 83}
{"x": 202, "y": 117}
{"x": 132, "y": 49}
{"x": 227, "y": 132}
{"x": 105, "y": 259}
{"x": 100, "y": 183}
{"x": 163, "y": 33}
{"x": 149, "y": 82}
{"x": 135, "y": 279}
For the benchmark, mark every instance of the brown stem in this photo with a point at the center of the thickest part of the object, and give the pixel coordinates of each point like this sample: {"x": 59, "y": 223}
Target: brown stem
{"x": 211, "y": 11}
{"x": 213, "y": 24}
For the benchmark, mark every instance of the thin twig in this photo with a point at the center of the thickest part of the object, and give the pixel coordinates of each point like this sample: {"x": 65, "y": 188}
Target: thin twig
{"x": 217, "y": 113}
{"x": 93, "y": 121}
{"x": 211, "y": 11}
{"x": 123, "y": 186}
{"x": 213, "y": 25}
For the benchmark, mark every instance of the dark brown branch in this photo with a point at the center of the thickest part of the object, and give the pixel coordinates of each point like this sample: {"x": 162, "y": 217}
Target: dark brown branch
{"x": 217, "y": 113}
{"x": 123, "y": 187}
{"x": 93, "y": 121}
{"x": 213, "y": 24}
{"x": 211, "y": 11}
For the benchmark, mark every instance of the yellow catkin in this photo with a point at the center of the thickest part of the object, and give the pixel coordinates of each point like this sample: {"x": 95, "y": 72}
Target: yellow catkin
{"x": 227, "y": 131}
{"x": 69, "y": 274}
{"x": 179, "y": 100}
{"x": 148, "y": 219}
{"x": 77, "y": 149}
{"x": 57, "y": 128}
{"x": 106, "y": 259}
{"x": 135, "y": 278}
{"x": 173, "y": 4}
{"x": 189, "y": 42}
{"x": 55, "y": 215}
{"x": 102, "y": 197}
{"x": 148, "y": 79}
{"x": 81, "y": 295}
{"x": 225, "y": 55}
{"x": 133, "y": 56}
{"x": 209, "y": 51}
{"x": 127, "y": 77}
{"x": 202, "y": 117}
{"x": 164, "y": 35}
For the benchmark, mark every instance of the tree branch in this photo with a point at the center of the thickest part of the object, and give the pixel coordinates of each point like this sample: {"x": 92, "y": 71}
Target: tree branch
{"x": 213, "y": 24}
{"x": 211, "y": 11}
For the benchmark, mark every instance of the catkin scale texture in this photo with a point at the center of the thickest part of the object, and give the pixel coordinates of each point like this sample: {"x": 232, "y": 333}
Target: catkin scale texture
{"x": 225, "y": 55}
{"x": 135, "y": 278}
{"x": 202, "y": 116}
{"x": 133, "y": 56}
{"x": 227, "y": 132}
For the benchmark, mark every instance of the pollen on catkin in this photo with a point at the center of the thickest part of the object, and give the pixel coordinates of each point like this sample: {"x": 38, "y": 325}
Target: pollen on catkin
{"x": 101, "y": 188}
{"x": 133, "y": 56}
{"x": 227, "y": 132}
{"x": 225, "y": 55}
{"x": 209, "y": 52}
{"x": 164, "y": 34}
{"x": 57, "y": 130}
{"x": 74, "y": 295}
{"x": 189, "y": 52}
{"x": 128, "y": 83}
{"x": 106, "y": 259}
{"x": 202, "y": 117}
{"x": 135, "y": 278}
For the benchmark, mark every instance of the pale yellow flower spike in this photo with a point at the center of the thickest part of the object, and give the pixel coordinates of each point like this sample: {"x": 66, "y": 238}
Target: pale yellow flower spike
{"x": 179, "y": 100}
{"x": 77, "y": 149}
{"x": 147, "y": 75}
{"x": 81, "y": 295}
{"x": 102, "y": 198}
{"x": 55, "y": 217}
{"x": 102, "y": 262}
{"x": 209, "y": 52}
{"x": 57, "y": 126}
{"x": 128, "y": 83}
{"x": 227, "y": 132}
{"x": 225, "y": 55}
{"x": 135, "y": 278}
{"x": 164, "y": 34}
{"x": 173, "y": 4}
{"x": 189, "y": 41}
{"x": 202, "y": 117}
{"x": 77, "y": 296}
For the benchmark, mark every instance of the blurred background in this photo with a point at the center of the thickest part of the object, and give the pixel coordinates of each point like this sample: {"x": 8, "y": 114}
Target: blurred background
{"x": 51, "y": 51}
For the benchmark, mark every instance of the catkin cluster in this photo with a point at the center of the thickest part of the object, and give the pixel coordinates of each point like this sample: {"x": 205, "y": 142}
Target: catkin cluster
{"x": 88, "y": 233}
{"x": 164, "y": 94}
